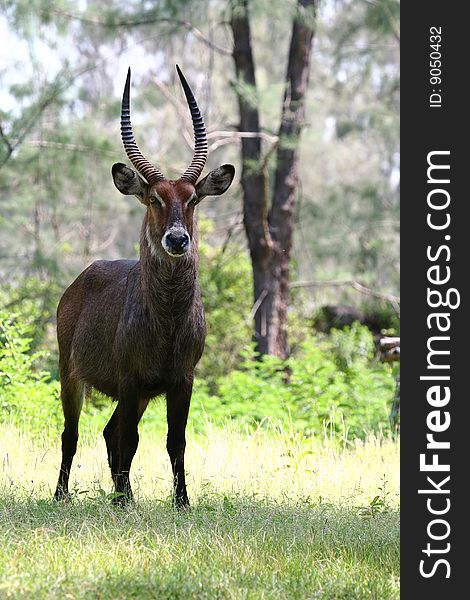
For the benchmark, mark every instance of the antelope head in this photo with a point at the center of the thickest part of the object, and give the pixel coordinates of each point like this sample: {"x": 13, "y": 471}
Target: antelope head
{"x": 170, "y": 203}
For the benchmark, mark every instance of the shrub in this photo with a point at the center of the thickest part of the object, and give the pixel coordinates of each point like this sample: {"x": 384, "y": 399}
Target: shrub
{"x": 331, "y": 382}
{"x": 226, "y": 284}
{"x": 27, "y": 396}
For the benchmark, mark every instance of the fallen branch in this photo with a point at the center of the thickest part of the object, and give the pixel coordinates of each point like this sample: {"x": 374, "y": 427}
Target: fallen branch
{"x": 394, "y": 300}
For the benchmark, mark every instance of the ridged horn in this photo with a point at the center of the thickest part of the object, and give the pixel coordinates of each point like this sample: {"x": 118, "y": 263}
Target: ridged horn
{"x": 151, "y": 173}
{"x": 194, "y": 170}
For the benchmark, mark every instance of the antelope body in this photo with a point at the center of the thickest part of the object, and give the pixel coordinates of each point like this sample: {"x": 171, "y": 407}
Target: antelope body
{"x": 135, "y": 329}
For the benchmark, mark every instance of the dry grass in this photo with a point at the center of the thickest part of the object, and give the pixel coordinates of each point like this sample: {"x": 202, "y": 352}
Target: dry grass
{"x": 273, "y": 516}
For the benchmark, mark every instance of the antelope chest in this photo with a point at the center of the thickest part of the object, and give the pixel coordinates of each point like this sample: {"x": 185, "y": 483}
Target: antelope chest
{"x": 169, "y": 355}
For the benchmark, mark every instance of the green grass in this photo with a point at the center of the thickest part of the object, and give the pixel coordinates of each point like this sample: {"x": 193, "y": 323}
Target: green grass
{"x": 273, "y": 516}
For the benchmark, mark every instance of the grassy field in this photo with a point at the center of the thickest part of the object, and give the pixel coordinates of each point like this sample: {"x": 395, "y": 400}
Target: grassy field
{"x": 273, "y": 516}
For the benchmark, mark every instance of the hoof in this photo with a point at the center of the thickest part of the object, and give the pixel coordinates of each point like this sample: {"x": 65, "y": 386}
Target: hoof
{"x": 120, "y": 499}
{"x": 182, "y": 503}
{"x": 62, "y": 496}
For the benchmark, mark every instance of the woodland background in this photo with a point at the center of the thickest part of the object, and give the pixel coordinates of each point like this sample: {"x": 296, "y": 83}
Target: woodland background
{"x": 292, "y": 457}
{"x": 63, "y": 67}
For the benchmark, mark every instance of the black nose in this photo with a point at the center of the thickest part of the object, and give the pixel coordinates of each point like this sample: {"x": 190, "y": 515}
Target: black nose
{"x": 178, "y": 242}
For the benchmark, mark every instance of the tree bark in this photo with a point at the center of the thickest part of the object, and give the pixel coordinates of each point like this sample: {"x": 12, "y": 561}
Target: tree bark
{"x": 253, "y": 178}
{"x": 269, "y": 227}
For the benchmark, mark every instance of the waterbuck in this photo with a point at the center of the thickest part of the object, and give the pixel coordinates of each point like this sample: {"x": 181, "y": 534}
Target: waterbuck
{"x": 135, "y": 329}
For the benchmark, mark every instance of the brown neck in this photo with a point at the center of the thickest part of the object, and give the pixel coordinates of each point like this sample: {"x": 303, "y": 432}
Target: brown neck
{"x": 169, "y": 284}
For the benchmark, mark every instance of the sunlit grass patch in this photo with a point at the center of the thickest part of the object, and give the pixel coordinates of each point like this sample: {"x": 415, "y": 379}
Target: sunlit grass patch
{"x": 273, "y": 516}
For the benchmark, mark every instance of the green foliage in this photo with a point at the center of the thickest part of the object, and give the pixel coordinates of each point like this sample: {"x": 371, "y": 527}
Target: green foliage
{"x": 332, "y": 382}
{"x": 351, "y": 346}
{"x": 33, "y": 301}
{"x": 380, "y": 503}
{"x": 356, "y": 179}
{"x": 59, "y": 209}
{"x": 225, "y": 277}
{"x": 27, "y": 396}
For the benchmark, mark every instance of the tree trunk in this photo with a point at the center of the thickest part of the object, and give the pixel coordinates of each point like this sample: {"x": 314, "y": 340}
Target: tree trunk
{"x": 269, "y": 229}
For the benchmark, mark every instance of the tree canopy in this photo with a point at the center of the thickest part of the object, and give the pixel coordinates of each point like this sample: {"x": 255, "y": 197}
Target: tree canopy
{"x": 64, "y": 69}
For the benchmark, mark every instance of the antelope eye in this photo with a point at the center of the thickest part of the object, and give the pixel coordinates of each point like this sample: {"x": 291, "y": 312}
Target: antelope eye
{"x": 156, "y": 200}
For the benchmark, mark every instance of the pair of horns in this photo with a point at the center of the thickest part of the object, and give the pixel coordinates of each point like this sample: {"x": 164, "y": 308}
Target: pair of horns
{"x": 153, "y": 174}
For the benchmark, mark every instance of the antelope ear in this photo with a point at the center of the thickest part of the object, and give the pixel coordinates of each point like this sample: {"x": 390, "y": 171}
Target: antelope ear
{"x": 129, "y": 182}
{"x": 216, "y": 182}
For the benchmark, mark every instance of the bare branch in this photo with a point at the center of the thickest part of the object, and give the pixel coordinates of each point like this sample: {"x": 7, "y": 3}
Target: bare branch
{"x": 68, "y": 146}
{"x": 230, "y": 232}
{"x": 180, "y": 109}
{"x": 107, "y": 242}
{"x": 269, "y": 137}
{"x": 228, "y": 137}
{"x": 256, "y": 305}
{"x": 7, "y": 143}
{"x": 150, "y": 20}
{"x": 394, "y": 300}
{"x": 29, "y": 125}
{"x": 267, "y": 156}
{"x": 62, "y": 81}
